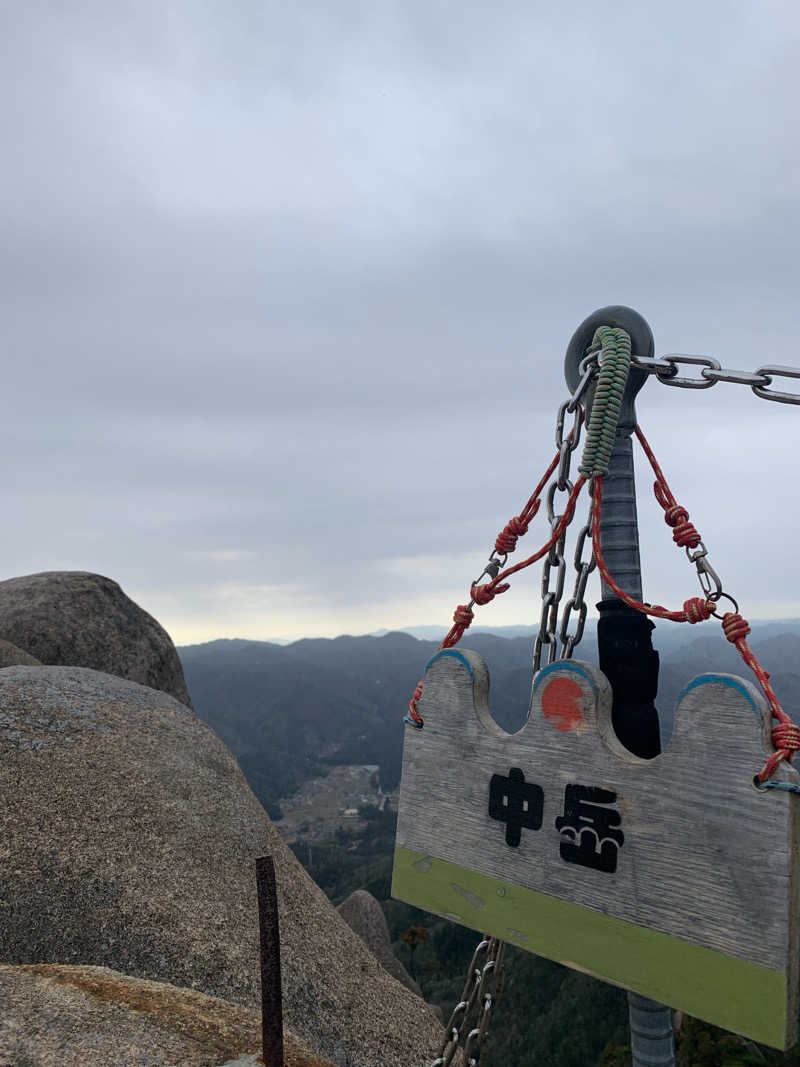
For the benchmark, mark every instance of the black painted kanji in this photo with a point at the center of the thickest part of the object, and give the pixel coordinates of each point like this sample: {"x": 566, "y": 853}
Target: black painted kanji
{"x": 589, "y": 834}
{"x": 515, "y": 802}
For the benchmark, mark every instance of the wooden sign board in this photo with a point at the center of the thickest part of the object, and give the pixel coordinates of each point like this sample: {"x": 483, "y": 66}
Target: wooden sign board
{"x": 673, "y": 877}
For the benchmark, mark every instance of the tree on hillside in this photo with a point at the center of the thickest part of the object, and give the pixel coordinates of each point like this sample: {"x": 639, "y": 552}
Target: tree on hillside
{"x": 414, "y": 935}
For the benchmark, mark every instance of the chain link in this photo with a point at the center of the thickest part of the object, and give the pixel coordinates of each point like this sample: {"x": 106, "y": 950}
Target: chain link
{"x": 472, "y": 1015}
{"x": 665, "y": 369}
{"x": 551, "y": 598}
{"x": 671, "y": 377}
{"x": 587, "y": 369}
{"x": 781, "y": 372}
{"x": 550, "y": 601}
{"x": 576, "y": 602}
{"x": 567, "y": 445}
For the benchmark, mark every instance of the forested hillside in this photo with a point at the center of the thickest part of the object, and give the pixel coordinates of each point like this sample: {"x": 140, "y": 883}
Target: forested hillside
{"x": 286, "y": 711}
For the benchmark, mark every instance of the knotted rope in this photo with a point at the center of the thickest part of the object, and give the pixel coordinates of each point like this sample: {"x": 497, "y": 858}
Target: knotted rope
{"x": 785, "y": 734}
{"x": 485, "y": 593}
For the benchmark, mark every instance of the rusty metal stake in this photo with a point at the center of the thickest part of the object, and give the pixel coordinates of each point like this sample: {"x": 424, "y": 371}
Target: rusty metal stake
{"x": 271, "y": 1003}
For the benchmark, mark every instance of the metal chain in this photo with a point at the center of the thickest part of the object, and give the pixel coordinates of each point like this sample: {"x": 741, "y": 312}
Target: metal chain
{"x": 576, "y": 602}
{"x": 665, "y": 369}
{"x": 471, "y": 1016}
{"x": 551, "y": 598}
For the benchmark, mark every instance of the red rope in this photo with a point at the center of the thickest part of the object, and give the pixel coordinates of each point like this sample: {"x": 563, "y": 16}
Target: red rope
{"x": 785, "y": 734}
{"x": 684, "y": 533}
{"x": 564, "y": 522}
{"x": 505, "y": 543}
{"x": 694, "y": 610}
{"x": 506, "y": 540}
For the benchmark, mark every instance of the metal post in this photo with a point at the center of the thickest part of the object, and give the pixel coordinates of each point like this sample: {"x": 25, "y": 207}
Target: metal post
{"x": 624, "y": 635}
{"x": 271, "y": 1002}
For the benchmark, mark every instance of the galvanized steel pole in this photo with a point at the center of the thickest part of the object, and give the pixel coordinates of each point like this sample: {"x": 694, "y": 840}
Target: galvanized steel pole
{"x": 626, "y": 653}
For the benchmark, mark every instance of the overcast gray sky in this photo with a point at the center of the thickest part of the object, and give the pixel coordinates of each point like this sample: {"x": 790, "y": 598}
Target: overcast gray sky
{"x": 286, "y": 290}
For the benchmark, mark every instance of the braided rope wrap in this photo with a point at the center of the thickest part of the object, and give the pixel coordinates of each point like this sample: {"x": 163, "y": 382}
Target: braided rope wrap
{"x": 614, "y": 365}
{"x": 785, "y": 734}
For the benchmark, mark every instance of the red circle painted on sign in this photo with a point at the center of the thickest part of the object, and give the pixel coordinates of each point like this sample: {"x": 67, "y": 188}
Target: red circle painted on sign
{"x": 561, "y": 703}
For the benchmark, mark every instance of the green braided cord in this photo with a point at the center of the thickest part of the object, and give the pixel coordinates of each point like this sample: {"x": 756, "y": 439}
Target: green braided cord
{"x": 615, "y": 364}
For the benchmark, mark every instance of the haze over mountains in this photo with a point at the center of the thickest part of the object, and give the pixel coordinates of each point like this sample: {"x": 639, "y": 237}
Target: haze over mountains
{"x": 288, "y": 710}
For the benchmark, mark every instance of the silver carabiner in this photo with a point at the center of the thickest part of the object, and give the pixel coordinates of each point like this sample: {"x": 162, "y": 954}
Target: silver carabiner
{"x": 707, "y": 572}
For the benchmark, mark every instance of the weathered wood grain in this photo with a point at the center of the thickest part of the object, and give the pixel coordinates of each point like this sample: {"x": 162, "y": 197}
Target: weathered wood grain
{"x": 704, "y": 857}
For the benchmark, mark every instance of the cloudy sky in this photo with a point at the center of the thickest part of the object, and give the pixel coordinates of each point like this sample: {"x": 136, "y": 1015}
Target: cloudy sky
{"x": 286, "y": 290}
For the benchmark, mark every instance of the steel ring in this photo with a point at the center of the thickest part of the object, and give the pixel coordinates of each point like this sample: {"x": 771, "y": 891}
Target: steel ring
{"x": 715, "y": 597}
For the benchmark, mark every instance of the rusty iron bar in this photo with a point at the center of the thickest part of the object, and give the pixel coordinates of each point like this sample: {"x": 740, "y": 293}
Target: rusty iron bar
{"x": 271, "y": 998}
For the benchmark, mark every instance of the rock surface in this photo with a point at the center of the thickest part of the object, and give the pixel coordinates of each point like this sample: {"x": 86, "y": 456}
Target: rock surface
{"x": 74, "y": 618}
{"x": 61, "y": 1016}
{"x": 128, "y": 839}
{"x": 11, "y": 656}
{"x": 362, "y": 913}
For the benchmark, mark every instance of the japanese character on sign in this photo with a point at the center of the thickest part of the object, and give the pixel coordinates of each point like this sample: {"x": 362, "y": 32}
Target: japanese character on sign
{"x": 515, "y": 802}
{"x": 589, "y": 834}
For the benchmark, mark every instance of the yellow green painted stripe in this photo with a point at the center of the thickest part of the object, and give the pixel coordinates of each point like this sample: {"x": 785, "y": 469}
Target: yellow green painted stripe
{"x": 744, "y": 997}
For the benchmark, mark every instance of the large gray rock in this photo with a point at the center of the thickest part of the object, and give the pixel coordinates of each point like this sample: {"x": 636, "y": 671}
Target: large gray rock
{"x": 362, "y": 913}
{"x": 11, "y": 656}
{"x": 61, "y": 1016}
{"x": 74, "y": 618}
{"x": 128, "y": 839}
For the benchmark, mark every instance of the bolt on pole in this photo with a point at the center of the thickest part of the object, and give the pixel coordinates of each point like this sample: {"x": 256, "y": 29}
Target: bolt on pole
{"x": 271, "y": 997}
{"x": 624, "y": 640}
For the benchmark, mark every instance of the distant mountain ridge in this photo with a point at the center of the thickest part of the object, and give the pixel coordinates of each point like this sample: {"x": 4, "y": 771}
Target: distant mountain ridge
{"x": 288, "y": 710}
